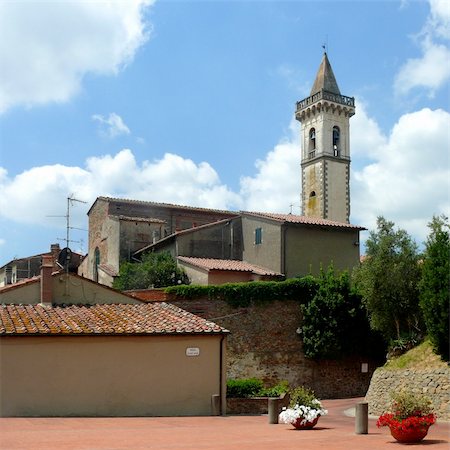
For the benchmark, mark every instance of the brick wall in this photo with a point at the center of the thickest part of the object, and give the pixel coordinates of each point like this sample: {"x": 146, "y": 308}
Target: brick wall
{"x": 264, "y": 343}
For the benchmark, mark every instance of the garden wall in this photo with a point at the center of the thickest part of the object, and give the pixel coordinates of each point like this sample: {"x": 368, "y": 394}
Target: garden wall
{"x": 264, "y": 343}
{"x": 434, "y": 383}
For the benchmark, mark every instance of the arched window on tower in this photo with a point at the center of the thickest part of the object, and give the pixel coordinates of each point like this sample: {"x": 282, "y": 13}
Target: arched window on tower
{"x": 312, "y": 143}
{"x": 96, "y": 263}
{"x": 312, "y": 194}
{"x": 336, "y": 141}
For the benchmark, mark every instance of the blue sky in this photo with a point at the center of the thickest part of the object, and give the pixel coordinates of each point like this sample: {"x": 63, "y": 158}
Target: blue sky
{"x": 193, "y": 103}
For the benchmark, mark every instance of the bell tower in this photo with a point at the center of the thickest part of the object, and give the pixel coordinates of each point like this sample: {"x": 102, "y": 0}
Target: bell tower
{"x": 325, "y": 136}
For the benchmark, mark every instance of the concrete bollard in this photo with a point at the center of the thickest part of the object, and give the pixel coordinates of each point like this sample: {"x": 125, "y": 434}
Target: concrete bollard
{"x": 273, "y": 410}
{"x": 362, "y": 418}
{"x": 215, "y": 405}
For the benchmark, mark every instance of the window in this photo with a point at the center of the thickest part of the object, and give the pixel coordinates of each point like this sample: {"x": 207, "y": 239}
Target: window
{"x": 258, "y": 236}
{"x": 336, "y": 139}
{"x": 96, "y": 263}
{"x": 313, "y": 194}
{"x": 312, "y": 139}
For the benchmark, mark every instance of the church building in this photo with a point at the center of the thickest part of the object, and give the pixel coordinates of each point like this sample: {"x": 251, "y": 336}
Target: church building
{"x": 276, "y": 243}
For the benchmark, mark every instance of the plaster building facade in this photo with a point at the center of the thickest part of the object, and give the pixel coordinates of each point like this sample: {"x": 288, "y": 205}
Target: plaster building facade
{"x": 219, "y": 271}
{"x": 325, "y": 136}
{"x": 98, "y": 352}
{"x": 299, "y": 245}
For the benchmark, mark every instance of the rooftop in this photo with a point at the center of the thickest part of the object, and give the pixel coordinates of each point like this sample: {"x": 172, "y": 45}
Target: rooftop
{"x": 325, "y": 79}
{"x": 227, "y": 264}
{"x": 294, "y": 219}
{"x": 161, "y": 205}
{"x": 117, "y": 319}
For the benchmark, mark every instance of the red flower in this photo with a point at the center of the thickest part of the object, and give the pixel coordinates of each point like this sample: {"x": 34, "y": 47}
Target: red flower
{"x": 409, "y": 423}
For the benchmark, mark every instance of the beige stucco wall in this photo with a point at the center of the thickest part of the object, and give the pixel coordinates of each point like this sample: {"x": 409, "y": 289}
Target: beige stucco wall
{"x": 196, "y": 275}
{"x": 108, "y": 376}
{"x": 66, "y": 289}
{"x": 267, "y": 254}
{"x": 200, "y": 276}
{"x": 307, "y": 248}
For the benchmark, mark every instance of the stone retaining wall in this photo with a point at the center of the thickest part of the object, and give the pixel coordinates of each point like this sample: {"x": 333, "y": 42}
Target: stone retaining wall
{"x": 434, "y": 383}
{"x": 254, "y": 405}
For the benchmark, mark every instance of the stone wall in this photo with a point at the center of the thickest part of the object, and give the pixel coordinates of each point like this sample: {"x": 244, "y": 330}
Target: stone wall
{"x": 264, "y": 343}
{"x": 434, "y": 383}
{"x": 254, "y": 405}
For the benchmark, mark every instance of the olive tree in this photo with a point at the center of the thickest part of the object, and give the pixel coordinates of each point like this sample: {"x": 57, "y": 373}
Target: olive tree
{"x": 388, "y": 280}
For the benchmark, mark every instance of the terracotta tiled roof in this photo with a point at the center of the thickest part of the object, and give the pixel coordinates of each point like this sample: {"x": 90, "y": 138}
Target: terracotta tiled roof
{"x": 179, "y": 233}
{"x": 139, "y": 219}
{"x": 163, "y": 205}
{"x": 292, "y": 218}
{"x": 120, "y": 319}
{"x": 227, "y": 264}
{"x": 108, "y": 269}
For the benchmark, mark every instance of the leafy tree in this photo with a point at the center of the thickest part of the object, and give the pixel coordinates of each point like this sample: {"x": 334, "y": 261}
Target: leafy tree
{"x": 155, "y": 270}
{"x": 335, "y": 322}
{"x": 388, "y": 280}
{"x": 435, "y": 284}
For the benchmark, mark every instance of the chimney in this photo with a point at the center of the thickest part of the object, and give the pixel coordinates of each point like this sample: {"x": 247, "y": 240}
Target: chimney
{"x": 54, "y": 250}
{"x": 46, "y": 280}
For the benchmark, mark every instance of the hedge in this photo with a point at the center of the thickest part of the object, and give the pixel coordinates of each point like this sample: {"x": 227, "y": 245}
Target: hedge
{"x": 245, "y": 294}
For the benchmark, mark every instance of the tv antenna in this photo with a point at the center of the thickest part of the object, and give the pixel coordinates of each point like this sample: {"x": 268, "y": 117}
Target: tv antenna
{"x": 70, "y": 201}
{"x": 292, "y": 205}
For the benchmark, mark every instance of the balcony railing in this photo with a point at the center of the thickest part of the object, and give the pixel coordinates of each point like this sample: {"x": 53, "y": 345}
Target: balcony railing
{"x": 325, "y": 95}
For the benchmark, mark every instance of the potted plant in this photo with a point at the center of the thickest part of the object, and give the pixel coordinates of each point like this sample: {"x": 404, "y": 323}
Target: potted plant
{"x": 304, "y": 409}
{"x": 409, "y": 417}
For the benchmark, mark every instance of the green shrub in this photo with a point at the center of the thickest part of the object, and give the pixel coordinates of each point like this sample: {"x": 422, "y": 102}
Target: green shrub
{"x": 256, "y": 292}
{"x": 434, "y": 285}
{"x": 406, "y": 404}
{"x": 281, "y": 388}
{"x": 302, "y": 396}
{"x": 243, "y": 388}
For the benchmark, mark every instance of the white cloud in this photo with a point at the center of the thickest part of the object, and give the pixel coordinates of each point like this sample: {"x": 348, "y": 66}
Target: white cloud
{"x": 432, "y": 70}
{"x": 42, "y": 191}
{"x": 2, "y": 241}
{"x": 276, "y": 185}
{"x": 406, "y": 179}
{"x": 366, "y": 136}
{"x": 48, "y": 47}
{"x": 409, "y": 181}
{"x": 112, "y": 126}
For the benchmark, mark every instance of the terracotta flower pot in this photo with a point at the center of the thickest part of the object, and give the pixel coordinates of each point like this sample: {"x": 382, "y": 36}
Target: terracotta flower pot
{"x": 409, "y": 435}
{"x": 306, "y": 426}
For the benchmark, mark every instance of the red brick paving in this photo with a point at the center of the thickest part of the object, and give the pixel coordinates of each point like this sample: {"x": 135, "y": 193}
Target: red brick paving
{"x": 334, "y": 431}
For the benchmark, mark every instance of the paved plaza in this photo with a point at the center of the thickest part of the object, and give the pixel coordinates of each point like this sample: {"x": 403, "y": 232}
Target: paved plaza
{"x": 334, "y": 431}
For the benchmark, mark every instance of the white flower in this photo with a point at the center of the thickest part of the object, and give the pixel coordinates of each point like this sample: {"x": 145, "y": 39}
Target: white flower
{"x": 306, "y": 413}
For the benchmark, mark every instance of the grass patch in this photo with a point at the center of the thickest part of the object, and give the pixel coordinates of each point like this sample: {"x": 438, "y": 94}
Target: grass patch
{"x": 420, "y": 357}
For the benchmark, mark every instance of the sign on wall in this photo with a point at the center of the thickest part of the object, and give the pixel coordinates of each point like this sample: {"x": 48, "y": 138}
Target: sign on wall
{"x": 192, "y": 351}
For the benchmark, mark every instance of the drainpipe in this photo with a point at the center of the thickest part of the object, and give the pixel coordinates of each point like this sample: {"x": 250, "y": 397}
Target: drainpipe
{"x": 283, "y": 250}
{"x": 46, "y": 280}
{"x": 223, "y": 392}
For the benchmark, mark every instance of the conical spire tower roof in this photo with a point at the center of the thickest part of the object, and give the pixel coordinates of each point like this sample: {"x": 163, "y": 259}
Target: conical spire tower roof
{"x": 325, "y": 80}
